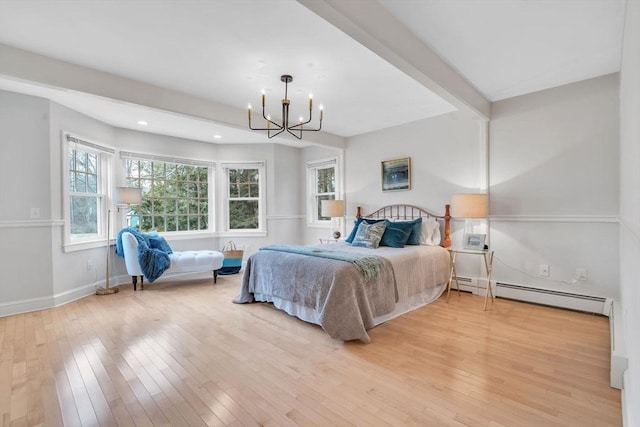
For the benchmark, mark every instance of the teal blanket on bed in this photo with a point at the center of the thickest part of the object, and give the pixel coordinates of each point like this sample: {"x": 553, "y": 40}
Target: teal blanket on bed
{"x": 368, "y": 265}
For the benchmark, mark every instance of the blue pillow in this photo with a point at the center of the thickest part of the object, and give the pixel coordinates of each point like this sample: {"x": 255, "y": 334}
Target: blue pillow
{"x": 416, "y": 230}
{"x": 369, "y": 235}
{"x": 156, "y": 241}
{"x": 356, "y": 224}
{"x": 396, "y": 234}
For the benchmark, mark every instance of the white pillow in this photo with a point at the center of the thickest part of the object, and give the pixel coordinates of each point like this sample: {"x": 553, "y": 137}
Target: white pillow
{"x": 430, "y": 233}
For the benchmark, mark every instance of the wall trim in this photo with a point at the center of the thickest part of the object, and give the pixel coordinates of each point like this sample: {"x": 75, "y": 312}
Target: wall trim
{"x": 279, "y": 217}
{"x": 32, "y": 223}
{"x": 42, "y": 303}
{"x": 612, "y": 219}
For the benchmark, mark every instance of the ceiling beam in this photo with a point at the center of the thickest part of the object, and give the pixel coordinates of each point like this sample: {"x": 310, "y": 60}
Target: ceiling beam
{"x": 369, "y": 23}
{"x": 29, "y": 66}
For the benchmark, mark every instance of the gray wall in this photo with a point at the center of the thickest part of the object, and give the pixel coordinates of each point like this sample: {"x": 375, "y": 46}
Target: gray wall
{"x": 630, "y": 208}
{"x": 36, "y": 272}
{"x": 25, "y": 242}
{"x": 448, "y": 156}
{"x": 554, "y": 187}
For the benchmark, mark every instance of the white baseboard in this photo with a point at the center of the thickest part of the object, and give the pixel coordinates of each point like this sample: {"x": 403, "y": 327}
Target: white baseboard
{"x": 619, "y": 361}
{"x": 629, "y": 411}
{"x": 41, "y": 303}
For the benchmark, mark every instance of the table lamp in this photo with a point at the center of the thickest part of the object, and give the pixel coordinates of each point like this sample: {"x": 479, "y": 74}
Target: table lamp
{"x": 469, "y": 207}
{"x": 333, "y": 209}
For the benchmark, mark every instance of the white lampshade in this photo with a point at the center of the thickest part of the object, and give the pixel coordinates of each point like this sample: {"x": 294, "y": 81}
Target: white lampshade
{"x": 469, "y": 206}
{"x": 128, "y": 196}
{"x": 332, "y": 208}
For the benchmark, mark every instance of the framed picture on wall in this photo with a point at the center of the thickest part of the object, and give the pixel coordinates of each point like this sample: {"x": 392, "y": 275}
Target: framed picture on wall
{"x": 396, "y": 174}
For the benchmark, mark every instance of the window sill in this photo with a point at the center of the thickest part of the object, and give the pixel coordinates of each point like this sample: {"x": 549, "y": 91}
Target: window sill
{"x": 83, "y": 246}
{"x": 187, "y": 235}
{"x": 238, "y": 233}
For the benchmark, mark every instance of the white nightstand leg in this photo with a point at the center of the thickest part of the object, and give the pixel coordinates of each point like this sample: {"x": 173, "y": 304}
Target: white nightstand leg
{"x": 452, "y": 275}
{"x": 488, "y": 265}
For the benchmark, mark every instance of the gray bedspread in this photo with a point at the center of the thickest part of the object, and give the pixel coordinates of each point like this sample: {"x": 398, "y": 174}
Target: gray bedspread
{"x": 344, "y": 303}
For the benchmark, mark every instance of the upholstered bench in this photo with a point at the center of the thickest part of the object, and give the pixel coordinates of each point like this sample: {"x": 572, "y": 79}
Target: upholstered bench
{"x": 181, "y": 262}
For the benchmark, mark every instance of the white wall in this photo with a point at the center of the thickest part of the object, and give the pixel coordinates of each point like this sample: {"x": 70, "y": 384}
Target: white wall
{"x": 71, "y": 279}
{"x": 630, "y": 209}
{"x": 446, "y": 153}
{"x": 35, "y": 271}
{"x": 24, "y": 133}
{"x": 448, "y": 156}
{"x": 282, "y": 192}
{"x": 554, "y": 187}
{"x": 25, "y": 242}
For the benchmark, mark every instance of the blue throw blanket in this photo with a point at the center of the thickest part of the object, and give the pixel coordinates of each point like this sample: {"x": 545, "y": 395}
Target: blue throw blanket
{"x": 153, "y": 262}
{"x": 368, "y": 265}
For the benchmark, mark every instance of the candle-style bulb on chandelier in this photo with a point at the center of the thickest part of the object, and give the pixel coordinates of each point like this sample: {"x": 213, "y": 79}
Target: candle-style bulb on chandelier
{"x": 273, "y": 128}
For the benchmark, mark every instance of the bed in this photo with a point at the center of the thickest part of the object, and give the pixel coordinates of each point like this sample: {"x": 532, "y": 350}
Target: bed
{"x": 347, "y": 289}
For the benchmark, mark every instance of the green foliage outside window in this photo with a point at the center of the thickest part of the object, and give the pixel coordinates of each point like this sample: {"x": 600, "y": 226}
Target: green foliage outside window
{"x": 83, "y": 189}
{"x": 244, "y": 199}
{"x": 174, "y": 197}
{"x": 325, "y": 188}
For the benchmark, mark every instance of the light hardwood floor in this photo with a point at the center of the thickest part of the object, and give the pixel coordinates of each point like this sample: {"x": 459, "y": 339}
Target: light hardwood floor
{"x": 180, "y": 353}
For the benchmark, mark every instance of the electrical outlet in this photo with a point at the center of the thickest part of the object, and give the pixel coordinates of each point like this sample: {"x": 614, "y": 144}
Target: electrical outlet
{"x": 89, "y": 264}
{"x": 544, "y": 270}
{"x": 35, "y": 213}
{"x": 581, "y": 274}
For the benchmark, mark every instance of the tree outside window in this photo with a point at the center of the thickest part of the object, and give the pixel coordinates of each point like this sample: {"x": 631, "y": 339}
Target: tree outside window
{"x": 85, "y": 197}
{"x": 321, "y": 185}
{"x": 325, "y": 189}
{"x": 244, "y": 199}
{"x": 175, "y": 197}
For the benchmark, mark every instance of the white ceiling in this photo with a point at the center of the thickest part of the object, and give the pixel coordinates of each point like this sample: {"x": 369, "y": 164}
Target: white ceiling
{"x": 507, "y": 48}
{"x": 228, "y": 50}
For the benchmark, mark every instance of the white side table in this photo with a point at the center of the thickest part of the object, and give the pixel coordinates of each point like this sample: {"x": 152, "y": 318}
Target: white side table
{"x": 486, "y": 254}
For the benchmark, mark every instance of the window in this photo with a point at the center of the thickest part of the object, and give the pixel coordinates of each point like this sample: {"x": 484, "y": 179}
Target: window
{"x": 244, "y": 197}
{"x": 175, "y": 196}
{"x": 321, "y": 184}
{"x": 86, "y": 170}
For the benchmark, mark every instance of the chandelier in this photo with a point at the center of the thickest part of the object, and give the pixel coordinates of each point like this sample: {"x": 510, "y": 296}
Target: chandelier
{"x": 273, "y": 128}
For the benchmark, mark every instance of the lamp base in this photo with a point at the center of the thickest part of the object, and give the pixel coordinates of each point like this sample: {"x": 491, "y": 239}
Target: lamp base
{"x": 107, "y": 291}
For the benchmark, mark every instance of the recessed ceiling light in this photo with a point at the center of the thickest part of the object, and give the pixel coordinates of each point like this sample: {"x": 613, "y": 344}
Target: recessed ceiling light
{"x": 142, "y": 123}
{"x": 217, "y": 136}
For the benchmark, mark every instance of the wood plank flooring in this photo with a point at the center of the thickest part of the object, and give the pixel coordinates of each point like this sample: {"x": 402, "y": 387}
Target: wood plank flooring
{"x": 180, "y": 353}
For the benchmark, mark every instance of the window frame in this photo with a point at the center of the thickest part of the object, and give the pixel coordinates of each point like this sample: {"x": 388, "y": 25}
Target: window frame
{"x": 211, "y": 170}
{"x": 312, "y": 185}
{"x": 104, "y": 172}
{"x": 262, "y": 228}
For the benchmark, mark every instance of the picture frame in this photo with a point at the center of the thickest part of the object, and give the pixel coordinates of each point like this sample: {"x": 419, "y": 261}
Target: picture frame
{"x": 474, "y": 241}
{"x": 396, "y": 174}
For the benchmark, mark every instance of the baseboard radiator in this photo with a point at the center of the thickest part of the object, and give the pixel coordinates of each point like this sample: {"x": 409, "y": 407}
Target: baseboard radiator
{"x": 553, "y": 298}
